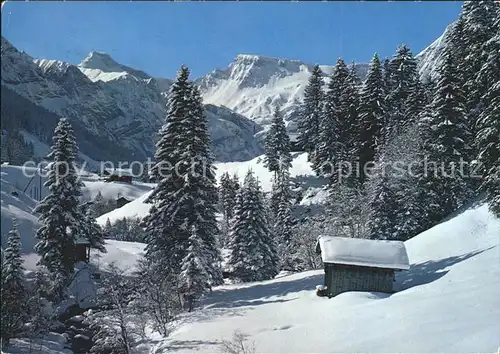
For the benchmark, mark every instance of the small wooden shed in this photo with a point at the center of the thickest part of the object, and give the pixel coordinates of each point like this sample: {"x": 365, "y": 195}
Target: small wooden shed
{"x": 353, "y": 264}
{"x": 121, "y": 201}
{"x": 118, "y": 175}
{"x": 82, "y": 250}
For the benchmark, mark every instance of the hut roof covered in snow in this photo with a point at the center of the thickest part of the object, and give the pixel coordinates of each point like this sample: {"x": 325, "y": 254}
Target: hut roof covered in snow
{"x": 122, "y": 172}
{"x": 363, "y": 252}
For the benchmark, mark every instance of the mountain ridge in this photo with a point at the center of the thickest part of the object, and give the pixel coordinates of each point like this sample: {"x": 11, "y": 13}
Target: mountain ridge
{"x": 124, "y": 106}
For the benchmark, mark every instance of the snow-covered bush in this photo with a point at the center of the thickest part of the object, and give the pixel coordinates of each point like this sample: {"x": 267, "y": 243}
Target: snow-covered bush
{"x": 157, "y": 296}
{"x": 113, "y": 326}
{"x": 238, "y": 344}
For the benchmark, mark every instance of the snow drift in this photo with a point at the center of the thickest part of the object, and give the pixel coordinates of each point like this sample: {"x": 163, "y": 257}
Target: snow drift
{"x": 448, "y": 302}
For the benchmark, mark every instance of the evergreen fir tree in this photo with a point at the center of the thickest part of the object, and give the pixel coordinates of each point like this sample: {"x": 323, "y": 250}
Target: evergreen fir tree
{"x": 338, "y": 140}
{"x": 403, "y": 73}
{"x": 383, "y": 203}
{"x": 194, "y": 280}
{"x": 283, "y": 220}
{"x": 227, "y": 200}
{"x": 277, "y": 145}
{"x": 311, "y": 111}
{"x": 446, "y": 137}
{"x": 92, "y": 231}
{"x": 205, "y": 181}
{"x": 387, "y": 78}
{"x": 355, "y": 77}
{"x": 107, "y": 230}
{"x": 488, "y": 132}
{"x": 415, "y": 104}
{"x": 13, "y": 287}
{"x": 371, "y": 115}
{"x": 186, "y": 192}
{"x": 253, "y": 250}
{"x": 478, "y": 21}
{"x": 61, "y": 218}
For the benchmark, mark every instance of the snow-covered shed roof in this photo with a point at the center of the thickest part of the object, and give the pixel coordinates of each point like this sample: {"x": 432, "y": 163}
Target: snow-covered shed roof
{"x": 363, "y": 252}
{"x": 122, "y": 172}
{"x": 81, "y": 241}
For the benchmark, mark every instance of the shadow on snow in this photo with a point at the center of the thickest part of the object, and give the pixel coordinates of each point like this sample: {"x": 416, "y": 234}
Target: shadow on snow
{"x": 427, "y": 272}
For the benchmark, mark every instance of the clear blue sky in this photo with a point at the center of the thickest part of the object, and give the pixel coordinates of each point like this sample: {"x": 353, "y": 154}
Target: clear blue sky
{"x": 158, "y": 37}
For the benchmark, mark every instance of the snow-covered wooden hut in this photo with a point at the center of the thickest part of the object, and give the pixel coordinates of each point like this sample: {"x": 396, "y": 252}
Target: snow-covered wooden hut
{"x": 353, "y": 264}
{"x": 82, "y": 250}
{"x": 118, "y": 175}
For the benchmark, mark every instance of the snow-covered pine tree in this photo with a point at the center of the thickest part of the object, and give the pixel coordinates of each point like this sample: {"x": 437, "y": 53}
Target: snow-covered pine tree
{"x": 356, "y": 79}
{"x": 60, "y": 217}
{"x": 403, "y": 73}
{"x": 205, "y": 206}
{"x": 107, "y": 230}
{"x": 371, "y": 115}
{"x": 166, "y": 239}
{"x": 349, "y": 108}
{"x": 415, "y": 105}
{"x": 338, "y": 141}
{"x": 387, "y": 77}
{"x": 92, "y": 231}
{"x": 284, "y": 221}
{"x": 405, "y": 150}
{"x": 321, "y": 156}
{"x": 445, "y": 141}
{"x": 478, "y": 21}
{"x": 228, "y": 187}
{"x": 488, "y": 127}
{"x": 383, "y": 203}
{"x": 194, "y": 279}
{"x": 186, "y": 191}
{"x": 277, "y": 145}
{"x": 13, "y": 288}
{"x": 311, "y": 111}
{"x": 253, "y": 250}
{"x": 98, "y": 204}
{"x": 227, "y": 195}
{"x": 244, "y": 262}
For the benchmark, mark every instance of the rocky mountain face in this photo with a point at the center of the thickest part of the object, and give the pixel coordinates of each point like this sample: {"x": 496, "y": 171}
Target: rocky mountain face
{"x": 252, "y": 85}
{"x": 118, "y": 110}
{"x": 430, "y": 57}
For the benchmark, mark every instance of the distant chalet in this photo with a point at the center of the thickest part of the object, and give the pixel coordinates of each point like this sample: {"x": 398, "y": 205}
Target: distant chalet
{"x": 353, "y": 264}
{"x": 118, "y": 175}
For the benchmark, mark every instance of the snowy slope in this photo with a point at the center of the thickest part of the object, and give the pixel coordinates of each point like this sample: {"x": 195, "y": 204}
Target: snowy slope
{"x": 15, "y": 180}
{"x": 448, "y": 302}
{"x": 300, "y": 168}
{"x": 135, "y": 209}
{"x": 42, "y": 149}
{"x": 21, "y": 178}
{"x": 301, "y": 172}
{"x": 429, "y": 60}
{"x": 18, "y": 206}
{"x": 122, "y": 254}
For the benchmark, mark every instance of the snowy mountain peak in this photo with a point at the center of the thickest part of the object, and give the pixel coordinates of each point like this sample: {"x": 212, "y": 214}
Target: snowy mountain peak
{"x": 52, "y": 65}
{"x": 101, "y": 61}
{"x": 256, "y": 70}
{"x": 105, "y": 63}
